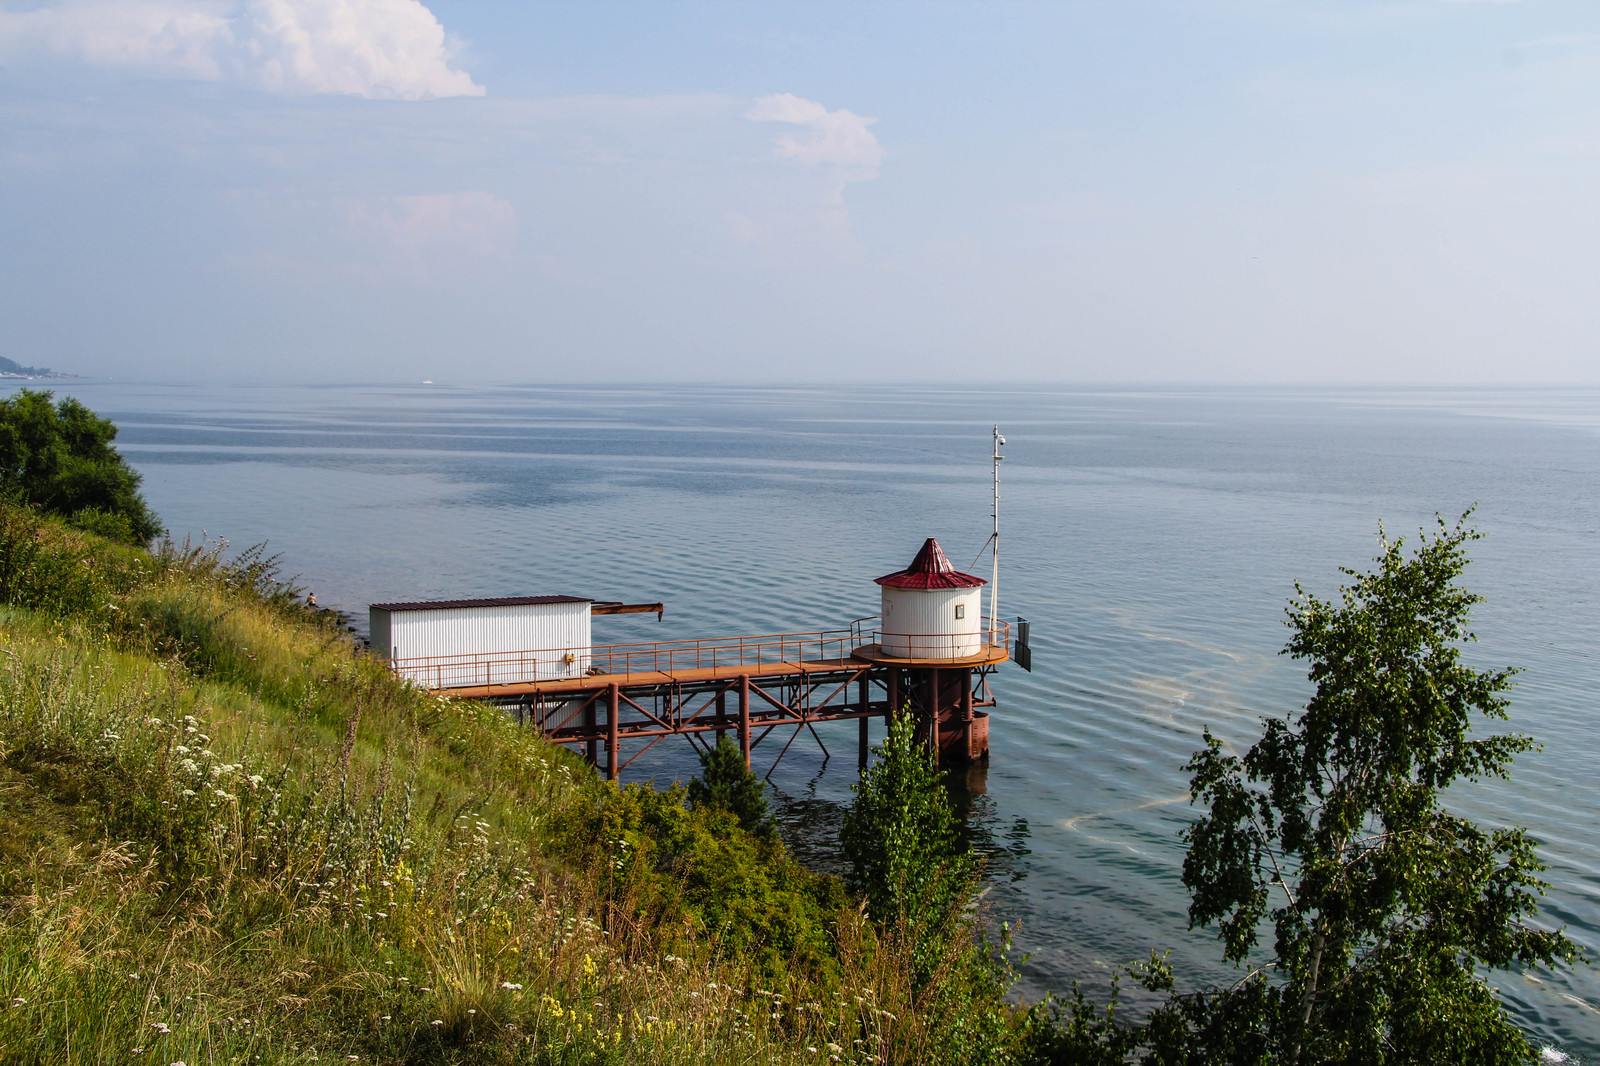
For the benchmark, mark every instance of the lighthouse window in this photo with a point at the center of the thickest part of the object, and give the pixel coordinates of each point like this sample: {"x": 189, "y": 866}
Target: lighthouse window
{"x": 961, "y": 610}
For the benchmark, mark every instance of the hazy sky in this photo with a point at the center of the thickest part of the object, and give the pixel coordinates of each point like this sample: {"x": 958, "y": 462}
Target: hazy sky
{"x": 264, "y": 190}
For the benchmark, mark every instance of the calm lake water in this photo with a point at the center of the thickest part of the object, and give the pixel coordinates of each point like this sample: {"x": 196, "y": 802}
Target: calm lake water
{"x": 1153, "y": 539}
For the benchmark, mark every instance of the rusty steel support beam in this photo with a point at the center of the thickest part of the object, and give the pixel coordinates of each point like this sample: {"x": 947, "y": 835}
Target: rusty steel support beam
{"x": 744, "y": 718}
{"x": 613, "y": 742}
{"x": 862, "y": 692}
{"x": 590, "y": 721}
{"x": 722, "y": 712}
{"x": 966, "y": 714}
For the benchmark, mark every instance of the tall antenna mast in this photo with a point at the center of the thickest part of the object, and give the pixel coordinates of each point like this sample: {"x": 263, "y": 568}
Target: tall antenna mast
{"x": 994, "y": 585}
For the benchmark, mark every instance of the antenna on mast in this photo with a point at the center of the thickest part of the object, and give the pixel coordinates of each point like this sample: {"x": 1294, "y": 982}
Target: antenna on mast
{"x": 994, "y": 539}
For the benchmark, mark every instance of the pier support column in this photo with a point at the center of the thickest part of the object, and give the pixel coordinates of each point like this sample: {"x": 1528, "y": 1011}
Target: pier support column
{"x": 893, "y": 684}
{"x": 744, "y": 718}
{"x": 930, "y": 700}
{"x": 722, "y": 714}
{"x": 864, "y": 692}
{"x": 613, "y": 707}
{"x": 966, "y": 715}
{"x": 591, "y": 720}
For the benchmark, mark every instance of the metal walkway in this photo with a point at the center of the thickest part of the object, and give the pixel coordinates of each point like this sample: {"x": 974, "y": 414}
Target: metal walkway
{"x": 632, "y": 696}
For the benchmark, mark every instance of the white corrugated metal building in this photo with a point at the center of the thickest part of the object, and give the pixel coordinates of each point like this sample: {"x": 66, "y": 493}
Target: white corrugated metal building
{"x": 486, "y": 641}
{"x": 931, "y": 610}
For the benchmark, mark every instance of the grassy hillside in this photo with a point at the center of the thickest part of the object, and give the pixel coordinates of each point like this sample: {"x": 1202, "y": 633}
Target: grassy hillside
{"x": 227, "y": 836}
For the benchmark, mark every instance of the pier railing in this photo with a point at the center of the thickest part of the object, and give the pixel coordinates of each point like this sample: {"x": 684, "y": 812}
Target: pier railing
{"x": 665, "y": 657}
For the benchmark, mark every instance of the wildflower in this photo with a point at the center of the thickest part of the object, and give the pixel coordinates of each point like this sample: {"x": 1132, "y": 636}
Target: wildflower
{"x": 138, "y": 1051}
{"x": 385, "y": 1018}
{"x": 187, "y": 792}
{"x": 221, "y": 795}
{"x": 255, "y": 780}
{"x": 180, "y": 750}
{"x": 436, "y": 1021}
{"x": 509, "y": 987}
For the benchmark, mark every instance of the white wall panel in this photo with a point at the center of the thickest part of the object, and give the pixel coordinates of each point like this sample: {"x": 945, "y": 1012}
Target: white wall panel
{"x": 922, "y": 623}
{"x": 486, "y": 645}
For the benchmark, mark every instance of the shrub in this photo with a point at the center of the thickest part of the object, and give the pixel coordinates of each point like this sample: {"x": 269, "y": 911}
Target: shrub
{"x": 906, "y": 855}
{"x": 58, "y": 458}
{"x": 726, "y": 782}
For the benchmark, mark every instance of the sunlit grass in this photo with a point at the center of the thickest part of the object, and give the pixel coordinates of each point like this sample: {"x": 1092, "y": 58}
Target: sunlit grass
{"x": 227, "y": 834}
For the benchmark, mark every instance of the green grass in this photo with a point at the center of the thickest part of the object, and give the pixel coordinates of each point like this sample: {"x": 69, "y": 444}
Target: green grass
{"x": 226, "y": 834}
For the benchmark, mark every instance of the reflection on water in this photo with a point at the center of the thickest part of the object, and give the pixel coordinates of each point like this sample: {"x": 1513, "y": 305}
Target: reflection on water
{"x": 1151, "y": 537}
{"x": 809, "y": 826}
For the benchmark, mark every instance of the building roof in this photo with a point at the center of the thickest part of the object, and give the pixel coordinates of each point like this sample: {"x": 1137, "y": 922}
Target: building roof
{"x": 930, "y": 570}
{"x": 503, "y": 601}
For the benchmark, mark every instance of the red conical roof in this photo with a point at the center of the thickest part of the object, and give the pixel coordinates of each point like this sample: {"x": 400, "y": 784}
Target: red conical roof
{"x": 930, "y": 570}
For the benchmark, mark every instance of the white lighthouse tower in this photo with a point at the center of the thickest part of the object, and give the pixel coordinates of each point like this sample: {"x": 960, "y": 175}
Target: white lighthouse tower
{"x": 931, "y": 610}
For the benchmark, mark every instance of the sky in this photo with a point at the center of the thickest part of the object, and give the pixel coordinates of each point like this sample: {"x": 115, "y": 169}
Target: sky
{"x": 1128, "y": 191}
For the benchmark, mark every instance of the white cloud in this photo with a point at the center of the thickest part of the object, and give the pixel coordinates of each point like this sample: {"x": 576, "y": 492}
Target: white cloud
{"x": 389, "y": 49}
{"x": 839, "y": 140}
{"x": 179, "y": 37}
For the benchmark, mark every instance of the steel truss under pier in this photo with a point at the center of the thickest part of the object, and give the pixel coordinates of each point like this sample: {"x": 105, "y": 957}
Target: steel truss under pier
{"x": 745, "y": 689}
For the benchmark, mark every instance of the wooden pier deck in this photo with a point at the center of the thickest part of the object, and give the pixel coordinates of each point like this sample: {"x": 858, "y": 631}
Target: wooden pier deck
{"x": 619, "y": 701}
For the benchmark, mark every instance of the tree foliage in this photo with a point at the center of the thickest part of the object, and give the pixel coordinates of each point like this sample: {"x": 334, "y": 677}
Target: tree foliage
{"x": 58, "y": 458}
{"x": 907, "y": 858}
{"x": 726, "y": 782}
{"x": 1383, "y": 907}
{"x": 917, "y": 877}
